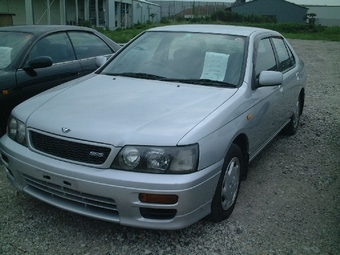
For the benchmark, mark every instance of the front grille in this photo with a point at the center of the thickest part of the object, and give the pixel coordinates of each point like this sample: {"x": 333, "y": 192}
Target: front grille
{"x": 72, "y": 200}
{"x": 80, "y": 152}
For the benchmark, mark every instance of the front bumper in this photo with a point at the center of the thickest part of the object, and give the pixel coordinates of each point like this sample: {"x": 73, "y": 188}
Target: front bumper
{"x": 108, "y": 194}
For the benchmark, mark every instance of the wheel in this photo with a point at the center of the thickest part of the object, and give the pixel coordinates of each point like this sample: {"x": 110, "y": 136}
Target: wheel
{"x": 292, "y": 126}
{"x": 228, "y": 186}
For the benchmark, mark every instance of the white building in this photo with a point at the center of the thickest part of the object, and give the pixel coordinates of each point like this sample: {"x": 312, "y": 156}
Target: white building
{"x": 170, "y": 9}
{"x": 325, "y": 15}
{"x": 100, "y": 13}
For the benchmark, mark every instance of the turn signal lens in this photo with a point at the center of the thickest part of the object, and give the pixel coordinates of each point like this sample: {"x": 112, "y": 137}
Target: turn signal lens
{"x": 158, "y": 198}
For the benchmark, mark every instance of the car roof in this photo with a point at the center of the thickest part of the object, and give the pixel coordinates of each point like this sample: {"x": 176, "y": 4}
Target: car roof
{"x": 41, "y": 29}
{"x": 217, "y": 29}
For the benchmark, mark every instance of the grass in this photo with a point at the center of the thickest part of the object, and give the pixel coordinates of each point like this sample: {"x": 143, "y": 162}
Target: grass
{"x": 290, "y": 31}
{"x": 327, "y": 34}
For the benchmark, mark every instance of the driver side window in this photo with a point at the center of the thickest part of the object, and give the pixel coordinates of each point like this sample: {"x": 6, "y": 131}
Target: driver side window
{"x": 265, "y": 59}
{"x": 56, "y": 46}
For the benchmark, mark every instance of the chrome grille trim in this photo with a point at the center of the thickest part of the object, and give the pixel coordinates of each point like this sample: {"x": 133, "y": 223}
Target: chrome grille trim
{"x": 82, "y": 202}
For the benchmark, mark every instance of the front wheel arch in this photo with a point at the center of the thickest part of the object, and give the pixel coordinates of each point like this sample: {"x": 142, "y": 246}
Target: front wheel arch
{"x": 228, "y": 185}
{"x": 242, "y": 141}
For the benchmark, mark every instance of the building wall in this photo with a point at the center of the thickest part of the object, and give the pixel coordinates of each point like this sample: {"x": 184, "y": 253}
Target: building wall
{"x": 171, "y": 8}
{"x": 110, "y": 13}
{"x": 142, "y": 11}
{"x": 40, "y": 14}
{"x": 326, "y": 15}
{"x": 13, "y": 6}
{"x": 284, "y": 11}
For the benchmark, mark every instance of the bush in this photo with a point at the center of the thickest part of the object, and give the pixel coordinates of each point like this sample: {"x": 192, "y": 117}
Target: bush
{"x": 86, "y": 23}
{"x": 165, "y": 20}
{"x": 229, "y": 16}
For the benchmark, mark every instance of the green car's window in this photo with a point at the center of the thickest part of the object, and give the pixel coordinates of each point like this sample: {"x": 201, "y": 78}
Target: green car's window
{"x": 11, "y": 44}
{"x": 57, "y": 46}
{"x": 88, "y": 45}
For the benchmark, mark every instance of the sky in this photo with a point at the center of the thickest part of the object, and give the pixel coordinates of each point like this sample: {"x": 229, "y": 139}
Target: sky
{"x": 316, "y": 2}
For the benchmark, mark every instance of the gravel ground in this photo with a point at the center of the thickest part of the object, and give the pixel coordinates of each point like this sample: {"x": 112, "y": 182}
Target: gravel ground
{"x": 289, "y": 204}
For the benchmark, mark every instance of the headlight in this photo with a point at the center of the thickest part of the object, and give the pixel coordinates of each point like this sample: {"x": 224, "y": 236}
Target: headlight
{"x": 130, "y": 158}
{"x": 17, "y": 130}
{"x": 179, "y": 159}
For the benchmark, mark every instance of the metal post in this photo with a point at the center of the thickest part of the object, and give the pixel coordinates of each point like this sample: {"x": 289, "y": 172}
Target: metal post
{"x": 77, "y": 12}
{"x": 97, "y": 13}
{"x": 29, "y": 12}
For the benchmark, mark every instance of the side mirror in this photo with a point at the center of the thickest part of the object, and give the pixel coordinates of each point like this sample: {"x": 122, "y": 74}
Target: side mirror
{"x": 39, "y": 62}
{"x": 270, "y": 78}
{"x": 101, "y": 60}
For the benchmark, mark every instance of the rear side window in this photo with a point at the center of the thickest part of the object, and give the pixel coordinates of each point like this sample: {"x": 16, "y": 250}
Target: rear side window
{"x": 88, "y": 45}
{"x": 286, "y": 59}
{"x": 265, "y": 59}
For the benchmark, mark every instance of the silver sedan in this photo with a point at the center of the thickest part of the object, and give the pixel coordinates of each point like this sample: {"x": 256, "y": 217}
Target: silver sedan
{"x": 162, "y": 134}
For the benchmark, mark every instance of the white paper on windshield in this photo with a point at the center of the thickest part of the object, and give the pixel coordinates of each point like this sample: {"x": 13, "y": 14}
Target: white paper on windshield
{"x": 215, "y": 66}
{"x": 5, "y": 56}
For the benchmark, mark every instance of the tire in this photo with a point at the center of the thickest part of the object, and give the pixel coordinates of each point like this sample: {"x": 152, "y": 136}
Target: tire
{"x": 228, "y": 186}
{"x": 292, "y": 126}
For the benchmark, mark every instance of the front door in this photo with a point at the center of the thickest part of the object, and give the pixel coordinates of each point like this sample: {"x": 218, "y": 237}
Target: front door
{"x": 268, "y": 101}
{"x": 65, "y": 66}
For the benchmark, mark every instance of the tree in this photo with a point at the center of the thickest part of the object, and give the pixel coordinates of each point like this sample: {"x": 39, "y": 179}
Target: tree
{"x": 310, "y": 17}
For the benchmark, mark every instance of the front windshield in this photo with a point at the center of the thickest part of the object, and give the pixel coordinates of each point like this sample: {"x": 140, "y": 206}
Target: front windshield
{"x": 182, "y": 57}
{"x": 11, "y": 44}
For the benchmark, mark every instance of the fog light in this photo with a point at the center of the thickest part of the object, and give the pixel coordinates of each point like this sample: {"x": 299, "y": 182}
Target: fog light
{"x": 158, "y": 198}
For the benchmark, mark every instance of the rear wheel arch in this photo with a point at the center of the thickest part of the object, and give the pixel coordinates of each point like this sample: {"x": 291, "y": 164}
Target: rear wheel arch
{"x": 293, "y": 124}
{"x": 302, "y": 100}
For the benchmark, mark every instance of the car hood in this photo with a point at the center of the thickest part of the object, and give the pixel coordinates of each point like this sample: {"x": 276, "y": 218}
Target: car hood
{"x": 120, "y": 110}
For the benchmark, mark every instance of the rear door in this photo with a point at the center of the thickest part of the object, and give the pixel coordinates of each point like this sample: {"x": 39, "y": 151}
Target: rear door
{"x": 87, "y": 47}
{"x": 290, "y": 73}
{"x": 65, "y": 66}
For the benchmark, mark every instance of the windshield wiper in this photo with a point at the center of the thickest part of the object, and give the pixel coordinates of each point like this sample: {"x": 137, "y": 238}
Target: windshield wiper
{"x": 205, "y": 82}
{"x": 139, "y": 75}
